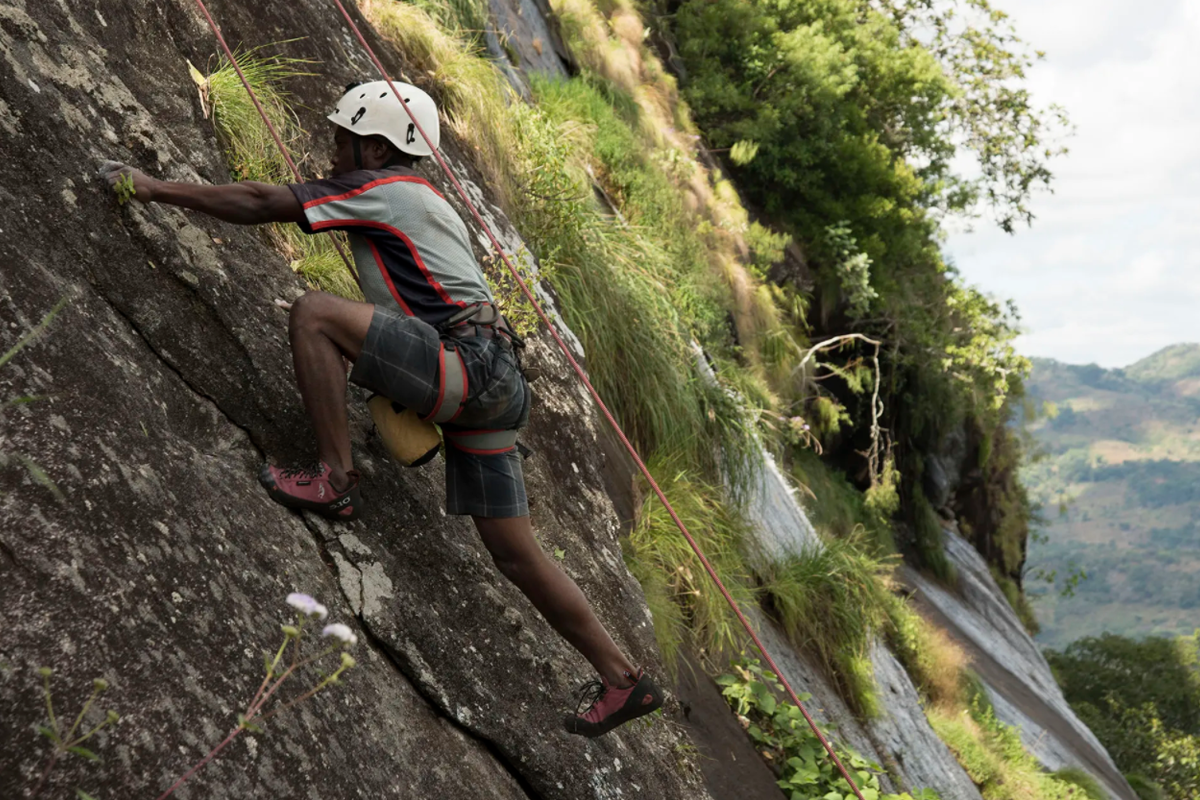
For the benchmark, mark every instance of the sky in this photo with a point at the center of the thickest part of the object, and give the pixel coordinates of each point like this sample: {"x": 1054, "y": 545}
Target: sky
{"x": 1110, "y": 270}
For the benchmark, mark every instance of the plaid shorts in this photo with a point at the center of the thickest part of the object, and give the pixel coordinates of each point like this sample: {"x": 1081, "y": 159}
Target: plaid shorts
{"x": 399, "y": 360}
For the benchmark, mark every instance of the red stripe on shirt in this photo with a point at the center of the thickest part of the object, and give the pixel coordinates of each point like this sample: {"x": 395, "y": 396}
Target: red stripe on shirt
{"x": 388, "y": 279}
{"x": 369, "y": 186}
{"x": 365, "y": 223}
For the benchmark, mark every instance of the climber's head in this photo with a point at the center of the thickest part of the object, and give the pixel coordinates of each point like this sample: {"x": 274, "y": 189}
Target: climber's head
{"x": 374, "y": 130}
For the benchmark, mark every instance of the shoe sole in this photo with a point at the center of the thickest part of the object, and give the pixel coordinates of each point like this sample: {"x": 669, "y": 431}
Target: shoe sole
{"x": 323, "y": 509}
{"x": 644, "y": 699}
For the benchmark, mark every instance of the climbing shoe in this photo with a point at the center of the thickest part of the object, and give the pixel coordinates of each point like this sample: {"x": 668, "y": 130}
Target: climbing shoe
{"x": 309, "y": 487}
{"x": 603, "y": 707}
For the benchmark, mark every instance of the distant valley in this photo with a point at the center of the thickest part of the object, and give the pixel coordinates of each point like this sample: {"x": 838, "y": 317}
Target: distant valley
{"x": 1119, "y": 485}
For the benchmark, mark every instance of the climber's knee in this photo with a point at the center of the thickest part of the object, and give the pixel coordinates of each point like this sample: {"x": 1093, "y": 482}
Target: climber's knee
{"x": 307, "y": 314}
{"x": 343, "y": 322}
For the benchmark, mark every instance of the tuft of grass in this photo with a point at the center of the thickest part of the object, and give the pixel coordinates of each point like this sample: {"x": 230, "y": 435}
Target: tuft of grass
{"x": 467, "y": 19}
{"x": 1145, "y": 788}
{"x": 927, "y": 528}
{"x": 316, "y": 260}
{"x": 935, "y": 662}
{"x": 32, "y": 467}
{"x": 1077, "y": 776}
{"x": 831, "y": 600}
{"x": 686, "y": 605}
{"x": 252, "y": 154}
{"x": 249, "y": 148}
{"x": 475, "y": 98}
{"x": 993, "y": 756}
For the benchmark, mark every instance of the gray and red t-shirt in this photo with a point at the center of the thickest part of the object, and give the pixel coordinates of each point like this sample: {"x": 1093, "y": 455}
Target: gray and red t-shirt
{"x": 412, "y": 251}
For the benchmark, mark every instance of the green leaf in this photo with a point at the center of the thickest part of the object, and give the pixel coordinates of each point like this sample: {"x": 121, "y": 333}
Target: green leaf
{"x": 82, "y": 795}
{"x": 34, "y": 333}
{"x": 726, "y": 680}
{"x": 39, "y": 475}
{"x": 559, "y": 553}
{"x": 248, "y": 725}
{"x": 49, "y": 733}
{"x": 83, "y": 752}
{"x": 767, "y": 702}
{"x": 125, "y": 189}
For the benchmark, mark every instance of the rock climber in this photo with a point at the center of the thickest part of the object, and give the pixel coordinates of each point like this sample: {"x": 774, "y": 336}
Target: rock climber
{"x": 429, "y": 338}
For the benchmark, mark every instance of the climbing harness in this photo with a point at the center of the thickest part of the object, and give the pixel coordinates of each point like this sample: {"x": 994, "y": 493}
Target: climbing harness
{"x": 479, "y": 439}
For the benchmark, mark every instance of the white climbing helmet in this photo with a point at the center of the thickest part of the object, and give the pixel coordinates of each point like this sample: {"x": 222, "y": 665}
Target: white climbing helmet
{"x": 371, "y": 109}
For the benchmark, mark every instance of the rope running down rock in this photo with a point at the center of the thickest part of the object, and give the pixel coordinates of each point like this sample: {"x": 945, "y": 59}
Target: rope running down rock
{"x": 566, "y": 352}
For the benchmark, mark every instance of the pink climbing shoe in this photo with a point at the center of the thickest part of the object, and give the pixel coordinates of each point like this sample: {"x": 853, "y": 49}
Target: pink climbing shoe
{"x": 608, "y": 707}
{"x": 309, "y": 487}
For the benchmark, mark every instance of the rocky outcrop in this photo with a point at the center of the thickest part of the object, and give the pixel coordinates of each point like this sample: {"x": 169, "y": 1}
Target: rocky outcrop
{"x": 164, "y": 566}
{"x": 1018, "y": 679}
{"x": 901, "y": 739}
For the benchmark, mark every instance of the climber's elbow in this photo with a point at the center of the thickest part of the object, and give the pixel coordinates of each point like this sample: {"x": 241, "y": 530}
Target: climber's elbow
{"x": 264, "y": 203}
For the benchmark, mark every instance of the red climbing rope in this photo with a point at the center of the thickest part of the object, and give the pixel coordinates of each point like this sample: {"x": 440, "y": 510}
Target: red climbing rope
{"x": 270, "y": 125}
{"x": 570, "y": 358}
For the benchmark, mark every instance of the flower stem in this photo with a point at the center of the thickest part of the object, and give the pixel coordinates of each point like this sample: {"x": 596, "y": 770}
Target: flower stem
{"x": 50, "y": 705}
{"x": 253, "y": 710}
{"x": 79, "y": 719}
{"x": 46, "y": 772}
{"x": 89, "y": 734}
{"x": 270, "y": 673}
{"x": 310, "y": 693}
{"x": 211, "y": 754}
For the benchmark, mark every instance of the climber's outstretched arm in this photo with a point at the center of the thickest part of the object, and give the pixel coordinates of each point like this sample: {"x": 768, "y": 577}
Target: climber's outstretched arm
{"x": 245, "y": 203}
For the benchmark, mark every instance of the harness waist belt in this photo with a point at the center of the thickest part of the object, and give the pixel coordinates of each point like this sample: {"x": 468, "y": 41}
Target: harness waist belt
{"x": 482, "y": 442}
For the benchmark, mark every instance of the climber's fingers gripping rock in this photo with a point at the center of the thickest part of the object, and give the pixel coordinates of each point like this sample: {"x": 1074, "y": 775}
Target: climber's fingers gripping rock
{"x": 137, "y": 185}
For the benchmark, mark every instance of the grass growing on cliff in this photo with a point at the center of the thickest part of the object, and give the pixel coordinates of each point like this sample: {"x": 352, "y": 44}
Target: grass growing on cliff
{"x": 994, "y": 758}
{"x": 475, "y": 99}
{"x": 252, "y": 154}
{"x": 830, "y": 600}
{"x": 932, "y": 659}
{"x": 687, "y": 607}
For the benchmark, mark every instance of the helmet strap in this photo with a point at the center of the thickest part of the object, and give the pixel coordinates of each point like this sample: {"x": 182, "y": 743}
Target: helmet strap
{"x": 356, "y": 145}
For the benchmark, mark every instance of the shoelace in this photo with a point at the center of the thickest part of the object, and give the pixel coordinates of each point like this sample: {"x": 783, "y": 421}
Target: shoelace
{"x": 589, "y": 694}
{"x": 303, "y": 471}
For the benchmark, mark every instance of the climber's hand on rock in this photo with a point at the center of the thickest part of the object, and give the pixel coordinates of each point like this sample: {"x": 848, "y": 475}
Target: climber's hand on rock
{"x": 284, "y": 304}
{"x": 113, "y": 173}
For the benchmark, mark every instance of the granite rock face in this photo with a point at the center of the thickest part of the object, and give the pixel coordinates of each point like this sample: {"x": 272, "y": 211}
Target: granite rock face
{"x": 164, "y": 567}
{"x": 1010, "y": 664}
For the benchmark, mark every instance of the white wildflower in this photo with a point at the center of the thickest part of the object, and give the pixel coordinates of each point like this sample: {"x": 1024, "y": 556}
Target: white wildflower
{"x": 307, "y": 605}
{"x": 340, "y": 632}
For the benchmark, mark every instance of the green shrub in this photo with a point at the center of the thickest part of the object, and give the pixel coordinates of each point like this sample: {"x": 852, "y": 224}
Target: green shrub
{"x": 781, "y": 734}
{"x": 1016, "y": 600}
{"x": 927, "y": 529}
{"x": 1077, "y": 776}
{"x": 1145, "y": 788}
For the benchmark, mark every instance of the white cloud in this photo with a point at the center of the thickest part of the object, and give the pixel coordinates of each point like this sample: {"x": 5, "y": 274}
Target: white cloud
{"x": 1110, "y": 271}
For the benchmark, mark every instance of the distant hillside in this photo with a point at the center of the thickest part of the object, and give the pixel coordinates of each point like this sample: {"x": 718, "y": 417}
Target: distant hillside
{"x": 1120, "y": 489}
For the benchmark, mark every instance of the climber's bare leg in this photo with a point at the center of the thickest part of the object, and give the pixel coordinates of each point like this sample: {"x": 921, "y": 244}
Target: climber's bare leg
{"x": 325, "y": 328}
{"x": 518, "y": 556}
